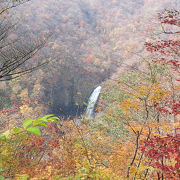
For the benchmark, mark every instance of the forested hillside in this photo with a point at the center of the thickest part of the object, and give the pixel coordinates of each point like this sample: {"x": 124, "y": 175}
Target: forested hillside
{"x": 53, "y": 54}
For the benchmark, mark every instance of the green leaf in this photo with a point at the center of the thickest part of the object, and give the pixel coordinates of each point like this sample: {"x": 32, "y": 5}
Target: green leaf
{"x": 49, "y": 115}
{"x": 43, "y": 124}
{"x": 53, "y": 119}
{"x": 5, "y": 134}
{"x": 17, "y": 130}
{"x": 2, "y": 178}
{"x": 42, "y": 119}
{"x": 45, "y": 119}
{"x": 34, "y": 130}
{"x": 27, "y": 122}
{"x": 2, "y": 137}
{"x": 38, "y": 122}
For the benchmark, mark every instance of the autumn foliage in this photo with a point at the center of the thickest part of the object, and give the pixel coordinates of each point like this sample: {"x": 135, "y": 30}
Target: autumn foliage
{"x": 135, "y": 135}
{"x": 163, "y": 154}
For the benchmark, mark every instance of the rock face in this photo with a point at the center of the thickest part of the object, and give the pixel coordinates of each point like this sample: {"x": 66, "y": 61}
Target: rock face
{"x": 73, "y": 88}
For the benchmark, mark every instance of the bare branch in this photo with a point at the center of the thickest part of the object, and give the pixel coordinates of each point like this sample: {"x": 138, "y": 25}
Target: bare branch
{"x": 9, "y": 4}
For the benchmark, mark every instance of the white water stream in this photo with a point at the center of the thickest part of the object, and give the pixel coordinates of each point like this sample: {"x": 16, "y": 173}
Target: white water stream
{"x": 92, "y": 102}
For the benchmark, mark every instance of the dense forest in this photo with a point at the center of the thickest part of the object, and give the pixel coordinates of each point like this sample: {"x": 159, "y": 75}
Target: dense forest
{"x": 54, "y": 53}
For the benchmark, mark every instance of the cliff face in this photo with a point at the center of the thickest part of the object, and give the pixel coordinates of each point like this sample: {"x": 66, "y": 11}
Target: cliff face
{"x": 72, "y": 89}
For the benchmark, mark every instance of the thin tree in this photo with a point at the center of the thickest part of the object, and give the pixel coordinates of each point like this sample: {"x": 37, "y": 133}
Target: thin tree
{"x": 9, "y": 4}
{"x": 14, "y": 54}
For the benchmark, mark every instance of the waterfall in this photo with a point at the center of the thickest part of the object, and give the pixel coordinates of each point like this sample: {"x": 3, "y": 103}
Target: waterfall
{"x": 92, "y": 102}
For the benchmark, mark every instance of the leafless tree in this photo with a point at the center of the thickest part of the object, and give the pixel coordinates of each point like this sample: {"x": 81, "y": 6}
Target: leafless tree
{"x": 9, "y": 4}
{"x": 14, "y": 54}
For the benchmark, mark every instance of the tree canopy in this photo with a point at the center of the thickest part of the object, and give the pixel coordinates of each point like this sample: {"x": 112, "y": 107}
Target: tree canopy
{"x": 135, "y": 134}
